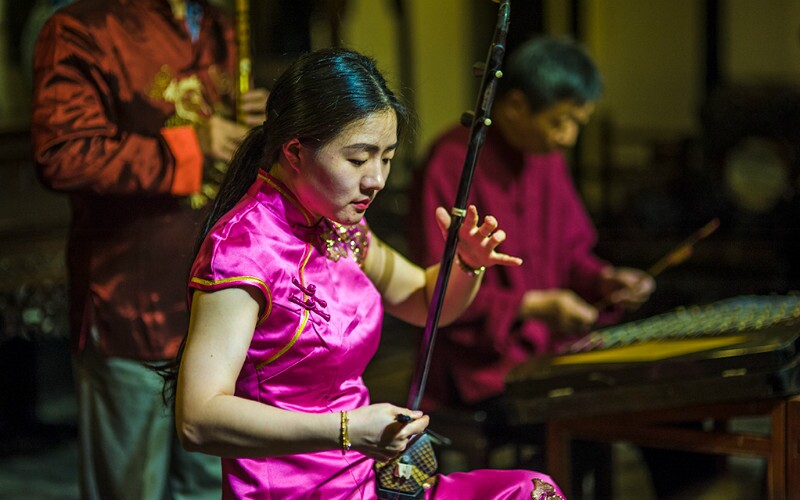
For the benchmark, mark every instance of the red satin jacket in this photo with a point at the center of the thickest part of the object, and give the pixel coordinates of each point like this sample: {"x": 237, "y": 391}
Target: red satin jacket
{"x": 117, "y": 87}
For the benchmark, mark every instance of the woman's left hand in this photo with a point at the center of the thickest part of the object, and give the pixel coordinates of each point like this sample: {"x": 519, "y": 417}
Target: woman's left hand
{"x": 477, "y": 243}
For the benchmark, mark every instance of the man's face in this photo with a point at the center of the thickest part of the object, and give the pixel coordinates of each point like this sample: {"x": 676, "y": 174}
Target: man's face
{"x": 554, "y": 127}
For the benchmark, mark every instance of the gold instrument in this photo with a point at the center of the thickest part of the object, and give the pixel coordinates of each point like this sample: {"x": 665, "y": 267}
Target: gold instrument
{"x": 243, "y": 62}
{"x": 215, "y": 172}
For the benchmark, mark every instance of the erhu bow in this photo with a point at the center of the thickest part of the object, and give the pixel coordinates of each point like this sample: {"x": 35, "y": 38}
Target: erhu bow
{"x": 408, "y": 475}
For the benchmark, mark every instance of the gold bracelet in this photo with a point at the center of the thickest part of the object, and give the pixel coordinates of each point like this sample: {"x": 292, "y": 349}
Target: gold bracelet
{"x": 472, "y": 272}
{"x": 344, "y": 435}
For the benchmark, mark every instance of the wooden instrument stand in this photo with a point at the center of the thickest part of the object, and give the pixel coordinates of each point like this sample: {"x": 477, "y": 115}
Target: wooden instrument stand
{"x": 656, "y": 428}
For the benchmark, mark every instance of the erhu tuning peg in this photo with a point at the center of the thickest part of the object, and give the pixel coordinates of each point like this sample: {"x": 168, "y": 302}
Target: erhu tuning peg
{"x": 467, "y": 117}
{"x": 478, "y": 69}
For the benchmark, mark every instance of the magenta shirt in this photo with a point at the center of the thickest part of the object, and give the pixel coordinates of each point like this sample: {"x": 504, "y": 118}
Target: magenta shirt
{"x": 319, "y": 329}
{"x": 314, "y": 339}
{"x": 534, "y": 200}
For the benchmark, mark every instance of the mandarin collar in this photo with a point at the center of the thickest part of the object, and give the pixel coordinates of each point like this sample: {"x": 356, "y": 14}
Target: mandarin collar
{"x": 329, "y": 238}
{"x": 296, "y": 215}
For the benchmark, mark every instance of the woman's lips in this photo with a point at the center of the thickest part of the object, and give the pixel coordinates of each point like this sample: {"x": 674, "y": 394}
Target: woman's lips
{"x": 362, "y": 204}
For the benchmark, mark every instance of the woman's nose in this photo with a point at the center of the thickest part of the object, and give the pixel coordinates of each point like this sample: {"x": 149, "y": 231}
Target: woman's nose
{"x": 375, "y": 177}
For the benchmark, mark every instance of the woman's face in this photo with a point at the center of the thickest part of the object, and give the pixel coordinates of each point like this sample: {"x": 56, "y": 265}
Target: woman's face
{"x": 340, "y": 180}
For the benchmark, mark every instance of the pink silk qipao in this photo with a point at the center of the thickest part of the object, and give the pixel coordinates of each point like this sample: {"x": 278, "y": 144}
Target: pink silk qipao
{"x": 319, "y": 329}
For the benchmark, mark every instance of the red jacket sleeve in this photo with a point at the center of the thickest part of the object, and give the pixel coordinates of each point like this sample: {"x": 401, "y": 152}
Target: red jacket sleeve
{"x": 78, "y": 142}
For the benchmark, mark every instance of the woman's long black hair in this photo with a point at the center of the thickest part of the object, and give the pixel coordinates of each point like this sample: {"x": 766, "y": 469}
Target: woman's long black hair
{"x": 313, "y": 100}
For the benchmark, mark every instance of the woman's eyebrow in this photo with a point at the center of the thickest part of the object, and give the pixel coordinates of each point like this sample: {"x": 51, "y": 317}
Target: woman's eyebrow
{"x": 370, "y": 148}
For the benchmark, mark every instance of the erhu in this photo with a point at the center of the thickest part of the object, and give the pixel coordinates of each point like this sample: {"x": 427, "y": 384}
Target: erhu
{"x": 410, "y": 474}
{"x": 215, "y": 172}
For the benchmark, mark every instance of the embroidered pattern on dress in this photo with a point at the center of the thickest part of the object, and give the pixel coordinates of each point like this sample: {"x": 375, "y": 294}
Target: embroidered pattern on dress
{"x": 543, "y": 491}
{"x": 342, "y": 240}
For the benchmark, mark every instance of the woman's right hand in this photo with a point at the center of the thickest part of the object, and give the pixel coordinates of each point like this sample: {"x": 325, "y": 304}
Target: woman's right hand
{"x": 376, "y": 432}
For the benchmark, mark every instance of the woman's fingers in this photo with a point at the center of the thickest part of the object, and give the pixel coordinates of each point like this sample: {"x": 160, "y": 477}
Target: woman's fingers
{"x": 477, "y": 242}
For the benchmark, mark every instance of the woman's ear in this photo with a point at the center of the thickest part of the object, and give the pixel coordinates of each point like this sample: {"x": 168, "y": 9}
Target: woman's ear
{"x": 291, "y": 151}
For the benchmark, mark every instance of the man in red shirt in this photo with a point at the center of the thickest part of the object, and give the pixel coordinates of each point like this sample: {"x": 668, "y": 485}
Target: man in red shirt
{"x": 548, "y": 91}
{"x": 132, "y": 105}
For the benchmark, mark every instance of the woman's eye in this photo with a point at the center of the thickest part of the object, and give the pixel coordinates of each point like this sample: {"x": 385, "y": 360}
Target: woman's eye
{"x": 358, "y": 163}
{"x": 387, "y": 161}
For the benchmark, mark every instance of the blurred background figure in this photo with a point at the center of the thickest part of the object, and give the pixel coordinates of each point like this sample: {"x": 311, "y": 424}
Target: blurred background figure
{"x": 133, "y": 116}
{"x": 548, "y": 92}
